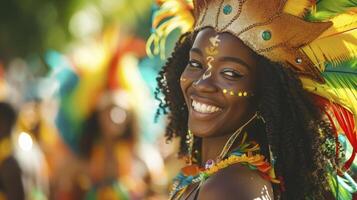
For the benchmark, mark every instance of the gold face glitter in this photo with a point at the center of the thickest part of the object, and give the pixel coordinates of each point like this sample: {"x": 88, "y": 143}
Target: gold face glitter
{"x": 211, "y": 51}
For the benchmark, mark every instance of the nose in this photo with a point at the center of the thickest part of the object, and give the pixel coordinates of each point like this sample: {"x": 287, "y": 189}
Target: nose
{"x": 205, "y": 84}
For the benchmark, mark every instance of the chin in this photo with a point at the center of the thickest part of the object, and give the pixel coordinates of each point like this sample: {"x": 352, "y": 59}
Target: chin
{"x": 202, "y": 131}
{"x": 204, "y": 125}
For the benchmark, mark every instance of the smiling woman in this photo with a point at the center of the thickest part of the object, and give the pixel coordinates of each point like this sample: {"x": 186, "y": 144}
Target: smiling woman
{"x": 276, "y": 118}
{"x": 214, "y": 101}
{"x": 251, "y": 126}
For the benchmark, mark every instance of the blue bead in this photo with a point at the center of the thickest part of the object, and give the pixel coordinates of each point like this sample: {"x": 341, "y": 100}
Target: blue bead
{"x": 227, "y": 9}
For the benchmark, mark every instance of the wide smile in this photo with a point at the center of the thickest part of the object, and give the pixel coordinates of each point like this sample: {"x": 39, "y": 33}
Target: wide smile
{"x": 202, "y": 108}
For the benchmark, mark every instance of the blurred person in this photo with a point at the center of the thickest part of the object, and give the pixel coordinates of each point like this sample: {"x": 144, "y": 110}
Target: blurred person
{"x": 108, "y": 146}
{"x": 11, "y": 186}
{"x": 28, "y": 150}
{"x": 107, "y": 166}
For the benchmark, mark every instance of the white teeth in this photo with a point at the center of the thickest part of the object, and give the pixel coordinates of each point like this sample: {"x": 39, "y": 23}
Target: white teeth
{"x": 204, "y": 108}
{"x": 211, "y": 108}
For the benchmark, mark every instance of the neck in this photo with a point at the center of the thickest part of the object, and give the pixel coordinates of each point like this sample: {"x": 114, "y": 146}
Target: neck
{"x": 213, "y": 146}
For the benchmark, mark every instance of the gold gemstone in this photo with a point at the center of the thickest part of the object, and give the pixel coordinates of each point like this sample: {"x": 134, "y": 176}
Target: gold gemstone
{"x": 240, "y": 94}
{"x": 245, "y": 94}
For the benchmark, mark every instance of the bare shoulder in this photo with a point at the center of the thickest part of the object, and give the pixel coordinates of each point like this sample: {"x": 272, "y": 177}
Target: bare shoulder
{"x": 236, "y": 182}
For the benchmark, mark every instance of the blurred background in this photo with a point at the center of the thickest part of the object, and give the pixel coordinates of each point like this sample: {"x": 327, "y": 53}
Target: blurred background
{"x": 77, "y": 102}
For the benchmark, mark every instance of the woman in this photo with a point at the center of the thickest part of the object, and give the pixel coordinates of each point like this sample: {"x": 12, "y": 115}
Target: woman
{"x": 234, "y": 87}
{"x": 107, "y": 150}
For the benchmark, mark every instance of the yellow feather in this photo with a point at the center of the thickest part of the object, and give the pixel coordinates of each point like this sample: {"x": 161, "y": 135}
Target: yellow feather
{"x": 345, "y": 97}
{"x": 341, "y": 23}
{"x": 335, "y": 48}
{"x": 297, "y": 7}
{"x": 173, "y": 14}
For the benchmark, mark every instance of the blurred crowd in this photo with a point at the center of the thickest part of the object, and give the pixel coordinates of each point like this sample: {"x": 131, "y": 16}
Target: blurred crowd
{"x": 111, "y": 162}
{"x": 77, "y": 102}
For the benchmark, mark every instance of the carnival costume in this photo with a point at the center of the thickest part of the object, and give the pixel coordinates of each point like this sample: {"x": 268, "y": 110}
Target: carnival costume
{"x": 316, "y": 39}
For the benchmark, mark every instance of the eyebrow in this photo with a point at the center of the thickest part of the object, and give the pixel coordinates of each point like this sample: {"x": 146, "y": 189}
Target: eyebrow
{"x": 197, "y": 50}
{"x": 234, "y": 59}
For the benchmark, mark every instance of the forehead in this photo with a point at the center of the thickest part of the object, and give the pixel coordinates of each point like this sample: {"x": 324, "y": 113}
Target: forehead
{"x": 228, "y": 45}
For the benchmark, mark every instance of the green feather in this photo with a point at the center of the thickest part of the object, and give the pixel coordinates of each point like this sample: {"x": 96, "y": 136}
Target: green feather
{"x": 347, "y": 66}
{"x": 326, "y": 9}
{"x": 340, "y": 186}
{"x": 337, "y": 188}
{"x": 342, "y": 81}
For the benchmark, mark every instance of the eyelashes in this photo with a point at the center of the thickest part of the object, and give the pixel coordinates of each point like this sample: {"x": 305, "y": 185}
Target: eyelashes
{"x": 195, "y": 64}
{"x": 228, "y": 72}
{"x": 231, "y": 73}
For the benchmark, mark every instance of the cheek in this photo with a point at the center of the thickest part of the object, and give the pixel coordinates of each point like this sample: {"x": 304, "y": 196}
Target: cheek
{"x": 236, "y": 91}
{"x": 241, "y": 101}
{"x": 183, "y": 82}
{"x": 241, "y": 110}
{"x": 241, "y": 105}
{"x": 187, "y": 78}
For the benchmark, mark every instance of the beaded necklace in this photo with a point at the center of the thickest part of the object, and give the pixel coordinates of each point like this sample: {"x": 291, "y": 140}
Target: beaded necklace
{"x": 246, "y": 154}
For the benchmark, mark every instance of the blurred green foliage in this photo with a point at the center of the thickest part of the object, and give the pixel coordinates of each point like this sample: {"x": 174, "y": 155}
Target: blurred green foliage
{"x": 29, "y": 28}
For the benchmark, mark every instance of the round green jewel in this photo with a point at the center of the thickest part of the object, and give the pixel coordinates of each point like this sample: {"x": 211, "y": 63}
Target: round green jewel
{"x": 266, "y": 35}
{"x": 227, "y": 9}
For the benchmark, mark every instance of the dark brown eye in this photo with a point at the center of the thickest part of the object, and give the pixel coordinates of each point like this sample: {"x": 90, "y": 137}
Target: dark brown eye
{"x": 194, "y": 64}
{"x": 231, "y": 73}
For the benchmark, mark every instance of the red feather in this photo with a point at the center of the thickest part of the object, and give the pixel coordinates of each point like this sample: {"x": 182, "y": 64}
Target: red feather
{"x": 344, "y": 118}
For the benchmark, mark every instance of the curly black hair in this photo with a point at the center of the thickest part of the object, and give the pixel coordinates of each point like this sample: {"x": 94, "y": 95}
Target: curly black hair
{"x": 293, "y": 129}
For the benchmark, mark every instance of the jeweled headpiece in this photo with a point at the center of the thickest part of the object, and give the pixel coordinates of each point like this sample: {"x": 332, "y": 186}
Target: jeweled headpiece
{"x": 264, "y": 27}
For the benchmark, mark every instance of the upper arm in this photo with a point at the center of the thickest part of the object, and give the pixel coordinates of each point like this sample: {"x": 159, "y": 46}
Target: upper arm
{"x": 236, "y": 182}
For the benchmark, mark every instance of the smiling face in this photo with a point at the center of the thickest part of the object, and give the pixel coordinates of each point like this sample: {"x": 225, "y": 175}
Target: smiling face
{"x": 219, "y": 84}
